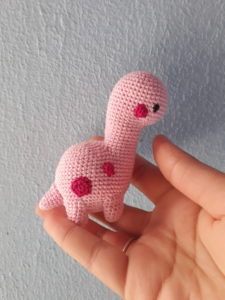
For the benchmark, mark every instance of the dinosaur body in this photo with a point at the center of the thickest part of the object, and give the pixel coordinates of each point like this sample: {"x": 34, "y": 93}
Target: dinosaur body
{"x": 94, "y": 175}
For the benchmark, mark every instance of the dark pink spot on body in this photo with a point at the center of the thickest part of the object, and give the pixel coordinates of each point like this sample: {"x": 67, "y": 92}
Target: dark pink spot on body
{"x": 108, "y": 169}
{"x": 81, "y": 186}
{"x": 141, "y": 111}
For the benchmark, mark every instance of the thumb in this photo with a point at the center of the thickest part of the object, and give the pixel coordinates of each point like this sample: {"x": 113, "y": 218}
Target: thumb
{"x": 196, "y": 180}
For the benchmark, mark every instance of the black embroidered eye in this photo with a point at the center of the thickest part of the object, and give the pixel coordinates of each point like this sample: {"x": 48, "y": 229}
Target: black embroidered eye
{"x": 156, "y": 107}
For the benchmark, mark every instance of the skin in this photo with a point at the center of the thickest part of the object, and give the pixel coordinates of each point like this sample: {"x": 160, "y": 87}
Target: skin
{"x": 179, "y": 252}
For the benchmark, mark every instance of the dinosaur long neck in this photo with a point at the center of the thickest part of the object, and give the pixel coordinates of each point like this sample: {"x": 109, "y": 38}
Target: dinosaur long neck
{"x": 122, "y": 137}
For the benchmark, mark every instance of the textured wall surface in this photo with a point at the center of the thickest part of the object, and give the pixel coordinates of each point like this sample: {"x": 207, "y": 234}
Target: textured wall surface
{"x": 58, "y": 62}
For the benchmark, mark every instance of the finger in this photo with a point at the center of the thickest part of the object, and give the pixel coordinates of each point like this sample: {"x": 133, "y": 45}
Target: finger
{"x": 116, "y": 238}
{"x": 149, "y": 180}
{"x": 105, "y": 261}
{"x": 132, "y": 221}
{"x": 199, "y": 182}
{"x": 40, "y": 212}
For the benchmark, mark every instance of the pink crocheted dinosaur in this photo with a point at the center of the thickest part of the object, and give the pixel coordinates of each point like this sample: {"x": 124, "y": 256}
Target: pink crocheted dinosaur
{"x": 93, "y": 176}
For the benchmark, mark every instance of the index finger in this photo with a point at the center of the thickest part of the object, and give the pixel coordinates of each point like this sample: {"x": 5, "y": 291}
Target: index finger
{"x": 102, "y": 259}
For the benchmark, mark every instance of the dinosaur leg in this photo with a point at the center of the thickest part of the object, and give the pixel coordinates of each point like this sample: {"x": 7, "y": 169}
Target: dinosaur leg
{"x": 52, "y": 198}
{"x": 77, "y": 211}
{"x": 113, "y": 208}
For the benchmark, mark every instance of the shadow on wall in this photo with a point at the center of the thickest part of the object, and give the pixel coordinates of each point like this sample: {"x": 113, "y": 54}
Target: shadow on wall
{"x": 194, "y": 75}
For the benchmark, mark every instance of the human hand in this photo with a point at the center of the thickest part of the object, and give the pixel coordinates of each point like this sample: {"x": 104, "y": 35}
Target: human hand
{"x": 179, "y": 251}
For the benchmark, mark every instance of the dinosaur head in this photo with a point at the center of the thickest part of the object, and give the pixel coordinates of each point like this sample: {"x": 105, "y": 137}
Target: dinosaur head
{"x": 139, "y": 98}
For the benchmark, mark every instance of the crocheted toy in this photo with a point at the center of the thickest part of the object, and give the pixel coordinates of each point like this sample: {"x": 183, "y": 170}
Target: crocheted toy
{"x": 93, "y": 176}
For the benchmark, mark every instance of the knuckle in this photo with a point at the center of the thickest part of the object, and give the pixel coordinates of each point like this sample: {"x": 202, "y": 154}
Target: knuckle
{"x": 95, "y": 250}
{"x": 66, "y": 237}
{"x": 179, "y": 171}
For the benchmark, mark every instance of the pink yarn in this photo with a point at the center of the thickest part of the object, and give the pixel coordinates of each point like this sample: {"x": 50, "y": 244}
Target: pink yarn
{"x": 93, "y": 176}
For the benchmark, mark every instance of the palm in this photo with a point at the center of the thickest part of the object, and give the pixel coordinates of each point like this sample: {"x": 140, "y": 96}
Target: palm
{"x": 180, "y": 246}
{"x": 170, "y": 256}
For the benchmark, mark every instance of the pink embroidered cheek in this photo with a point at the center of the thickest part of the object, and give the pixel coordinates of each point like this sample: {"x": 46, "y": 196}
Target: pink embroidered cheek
{"x": 108, "y": 169}
{"x": 141, "y": 111}
{"x": 81, "y": 186}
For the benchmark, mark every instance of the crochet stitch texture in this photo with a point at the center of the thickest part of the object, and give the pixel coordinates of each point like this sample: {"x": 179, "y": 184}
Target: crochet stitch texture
{"x": 93, "y": 176}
